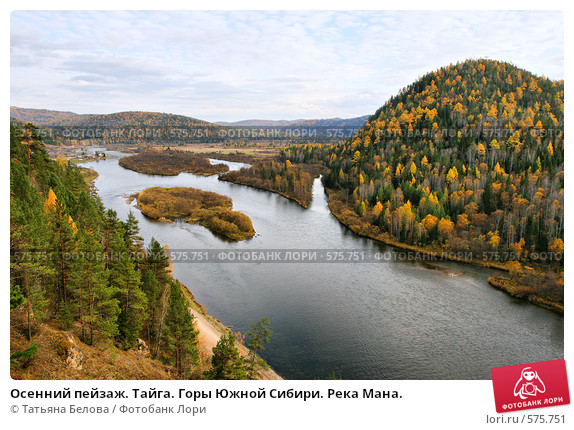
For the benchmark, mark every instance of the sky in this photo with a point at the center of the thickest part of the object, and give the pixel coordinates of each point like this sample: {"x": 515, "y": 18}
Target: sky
{"x": 236, "y": 65}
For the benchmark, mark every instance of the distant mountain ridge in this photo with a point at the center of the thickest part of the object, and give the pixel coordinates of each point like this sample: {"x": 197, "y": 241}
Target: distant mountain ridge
{"x": 42, "y": 117}
{"x": 52, "y": 118}
{"x": 329, "y": 122}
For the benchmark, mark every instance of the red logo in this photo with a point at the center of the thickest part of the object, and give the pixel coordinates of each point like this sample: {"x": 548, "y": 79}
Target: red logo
{"x": 529, "y": 386}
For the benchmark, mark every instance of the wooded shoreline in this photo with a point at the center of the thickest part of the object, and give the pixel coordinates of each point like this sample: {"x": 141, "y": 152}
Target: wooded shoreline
{"x": 524, "y": 292}
{"x": 507, "y": 285}
{"x": 240, "y": 181}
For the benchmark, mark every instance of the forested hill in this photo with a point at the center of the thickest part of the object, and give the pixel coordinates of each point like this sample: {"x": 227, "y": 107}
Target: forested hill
{"x": 469, "y": 157}
{"x": 43, "y": 117}
{"x": 121, "y": 127}
{"x": 51, "y": 118}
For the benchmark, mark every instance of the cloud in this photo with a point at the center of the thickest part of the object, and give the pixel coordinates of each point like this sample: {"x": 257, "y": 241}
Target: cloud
{"x": 117, "y": 68}
{"x": 230, "y": 65}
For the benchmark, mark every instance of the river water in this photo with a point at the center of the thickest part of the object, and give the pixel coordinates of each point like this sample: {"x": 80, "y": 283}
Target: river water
{"x": 358, "y": 320}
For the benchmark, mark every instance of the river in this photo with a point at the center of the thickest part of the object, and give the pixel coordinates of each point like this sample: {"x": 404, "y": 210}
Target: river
{"x": 385, "y": 320}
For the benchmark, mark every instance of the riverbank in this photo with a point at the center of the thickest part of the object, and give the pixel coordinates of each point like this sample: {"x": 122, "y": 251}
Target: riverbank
{"x": 242, "y": 181}
{"x": 292, "y": 181}
{"x": 210, "y": 331}
{"x": 233, "y": 152}
{"x": 524, "y": 292}
{"x": 239, "y": 156}
{"x": 350, "y": 219}
{"x": 394, "y": 295}
{"x": 89, "y": 175}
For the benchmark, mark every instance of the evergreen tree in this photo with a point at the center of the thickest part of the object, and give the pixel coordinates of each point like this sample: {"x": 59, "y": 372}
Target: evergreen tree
{"x": 30, "y": 271}
{"x": 132, "y": 237}
{"x": 73, "y": 260}
{"x": 95, "y": 305}
{"x": 157, "y": 262}
{"x": 132, "y": 301}
{"x": 62, "y": 246}
{"x": 126, "y": 281}
{"x": 16, "y": 296}
{"x": 488, "y": 201}
{"x": 23, "y": 358}
{"x": 90, "y": 215}
{"x": 180, "y": 336}
{"x": 153, "y": 292}
{"x": 259, "y": 335}
{"x": 226, "y": 362}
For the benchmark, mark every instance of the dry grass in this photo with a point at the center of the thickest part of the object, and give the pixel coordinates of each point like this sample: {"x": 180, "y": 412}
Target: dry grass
{"x": 171, "y": 163}
{"x": 211, "y": 210}
{"x": 101, "y": 361}
{"x": 88, "y": 174}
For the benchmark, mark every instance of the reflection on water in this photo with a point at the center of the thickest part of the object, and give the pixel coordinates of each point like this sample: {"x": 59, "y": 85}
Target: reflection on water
{"x": 386, "y": 320}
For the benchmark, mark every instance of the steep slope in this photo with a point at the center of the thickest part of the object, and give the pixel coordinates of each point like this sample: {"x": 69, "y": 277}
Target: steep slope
{"x": 84, "y": 291}
{"x": 62, "y": 355}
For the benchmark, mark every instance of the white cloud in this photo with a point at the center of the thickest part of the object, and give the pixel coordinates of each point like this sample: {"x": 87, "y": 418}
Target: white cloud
{"x": 252, "y": 64}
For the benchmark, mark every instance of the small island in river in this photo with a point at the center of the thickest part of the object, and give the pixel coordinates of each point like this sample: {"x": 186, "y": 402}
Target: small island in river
{"x": 171, "y": 163}
{"x": 209, "y": 209}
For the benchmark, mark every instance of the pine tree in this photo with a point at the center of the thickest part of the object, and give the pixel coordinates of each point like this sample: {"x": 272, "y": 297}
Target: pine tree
{"x": 180, "y": 336}
{"x": 125, "y": 280}
{"x": 132, "y": 237}
{"x": 29, "y": 278}
{"x": 63, "y": 244}
{"x": 226, "y": 362}
{"x": 157, "y": 262}
{"x": 259, "y": 335}
{"x": 90, "y": 216}
{"x": 95, "y": 305}
{"x": 153, "y": 292}
{"x": 30, "y": 272}
{"x": 132, "y": 301}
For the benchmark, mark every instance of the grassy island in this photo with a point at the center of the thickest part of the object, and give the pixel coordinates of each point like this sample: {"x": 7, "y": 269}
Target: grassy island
{"x": 211, "y": 210}
{"x": 171, "y": 163}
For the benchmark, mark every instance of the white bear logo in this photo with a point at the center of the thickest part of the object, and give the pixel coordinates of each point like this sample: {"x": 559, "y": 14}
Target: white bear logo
{"x": 529, "y": 384}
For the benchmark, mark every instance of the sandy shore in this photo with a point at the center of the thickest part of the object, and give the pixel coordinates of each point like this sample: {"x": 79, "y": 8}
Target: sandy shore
{"x": 211, "y": 330}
